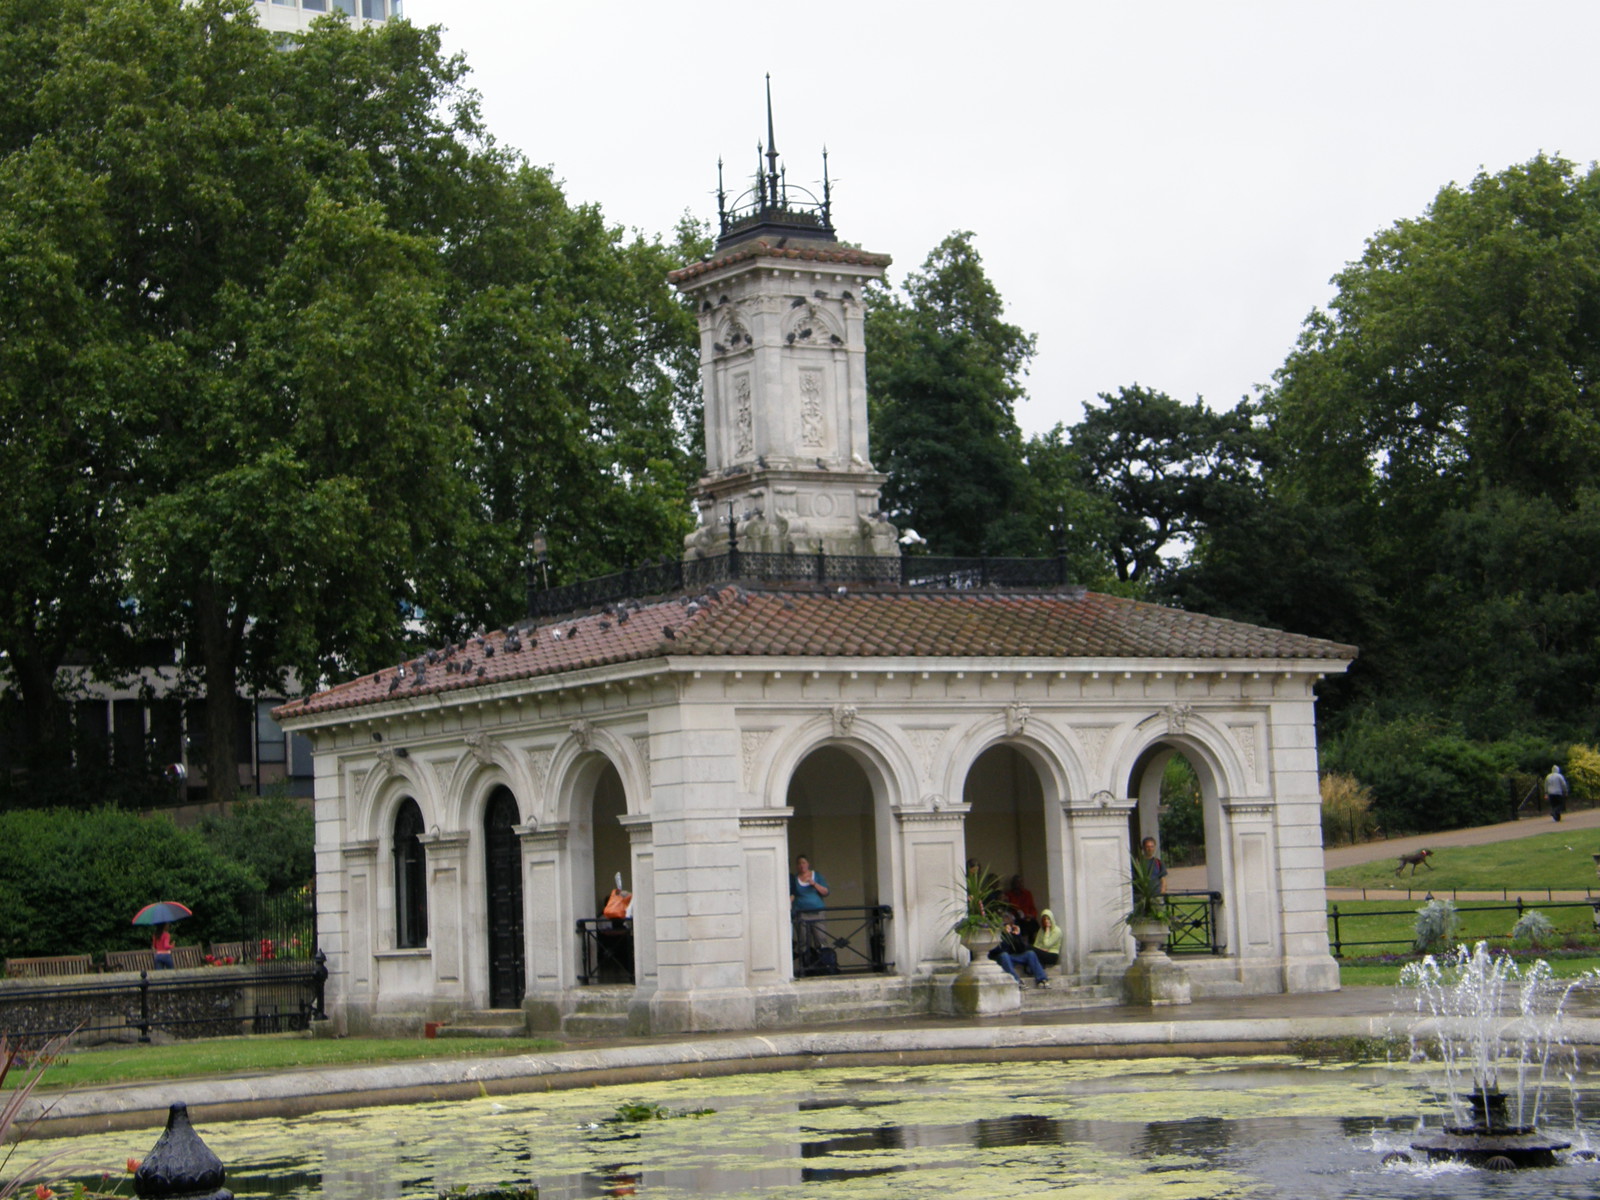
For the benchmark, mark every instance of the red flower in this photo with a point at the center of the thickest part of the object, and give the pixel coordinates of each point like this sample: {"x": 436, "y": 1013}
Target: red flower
{"x": 133, "y": 1165}
{"x": 42, "y": 1192}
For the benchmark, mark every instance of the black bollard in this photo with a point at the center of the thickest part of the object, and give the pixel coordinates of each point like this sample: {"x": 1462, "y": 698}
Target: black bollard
{"x": 180, "y": 1166}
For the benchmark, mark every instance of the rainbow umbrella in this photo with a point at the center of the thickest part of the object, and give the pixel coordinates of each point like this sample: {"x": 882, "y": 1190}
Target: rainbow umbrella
{"x": 161, "y": 912}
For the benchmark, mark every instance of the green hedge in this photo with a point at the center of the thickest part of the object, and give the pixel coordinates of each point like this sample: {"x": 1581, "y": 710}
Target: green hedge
{"x": 70, "y": 882}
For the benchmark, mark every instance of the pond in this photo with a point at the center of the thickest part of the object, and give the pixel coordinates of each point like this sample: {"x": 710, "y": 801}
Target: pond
{"x": 1148, "y": 1129}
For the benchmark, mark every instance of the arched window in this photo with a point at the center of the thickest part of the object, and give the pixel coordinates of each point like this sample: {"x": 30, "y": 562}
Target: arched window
{"x": 410, "y": 878}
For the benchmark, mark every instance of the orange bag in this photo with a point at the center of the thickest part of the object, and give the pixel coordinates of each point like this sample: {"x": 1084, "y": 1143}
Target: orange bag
{"x": 616, "y": 907}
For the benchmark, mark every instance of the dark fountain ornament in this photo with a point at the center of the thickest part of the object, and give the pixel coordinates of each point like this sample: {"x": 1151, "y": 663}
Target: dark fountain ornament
{"x": 1483, "y": 1019}
{"x": 180, "y": 1166}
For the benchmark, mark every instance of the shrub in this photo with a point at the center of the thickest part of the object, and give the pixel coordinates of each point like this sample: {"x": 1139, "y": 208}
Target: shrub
{"x": 1435, "y": 930}
{"x": 1583, "y": 773}
{"x": 1346, "y": 809}
{"x": 70, "y": 882}
{"x": 1533, "y": 927}
{"x": 1423, "y": 775}
{"x": 273, "y": 835}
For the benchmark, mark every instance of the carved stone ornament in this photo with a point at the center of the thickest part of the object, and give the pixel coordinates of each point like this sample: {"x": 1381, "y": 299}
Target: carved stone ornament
{"x": 1103, "y": 798}
{"x": 1017, "y": 719}
{"x": 750, "y": 743}
{"x": 386, "y": 757}
{"x": 844, "y": 719}
{"x": 583, "y": 732}
{"x": 478, "y": 745}
{"x": 1178, "y": 717}
{"x": 813, "y": 428}
{"x": 743, "y": 416}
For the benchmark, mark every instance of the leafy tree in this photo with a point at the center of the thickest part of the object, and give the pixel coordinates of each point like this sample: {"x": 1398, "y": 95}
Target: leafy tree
{"x": 314, "y": 357}
{"x": 945, "y": 373}
{"x": 274, "y": 836}
{"x": 1442, "y": 413}
{"x": 1166, "y": 472}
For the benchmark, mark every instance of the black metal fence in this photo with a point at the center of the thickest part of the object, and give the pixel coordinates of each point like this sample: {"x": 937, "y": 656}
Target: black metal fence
{"x": 269, "y": 997}
{"x": 922, "y": 572}
{"x": 1193, "y": 922}
{"x": 606, "y": 944}
{"x": 842, "y": 941}
{"x": 1339, "y": 922}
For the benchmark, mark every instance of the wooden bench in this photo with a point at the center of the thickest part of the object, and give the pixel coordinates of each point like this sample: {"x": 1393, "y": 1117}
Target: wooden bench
{"x": 145, "y": 960}
{"x": 240, "y": 952}
{"x": 54, "y": 964}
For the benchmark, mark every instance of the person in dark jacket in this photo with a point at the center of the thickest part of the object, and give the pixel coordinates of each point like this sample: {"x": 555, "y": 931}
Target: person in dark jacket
{"x": 1014, "y": 950}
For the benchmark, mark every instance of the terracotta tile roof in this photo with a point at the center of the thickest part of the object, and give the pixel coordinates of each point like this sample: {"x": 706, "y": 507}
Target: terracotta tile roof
{"x": 813, "y": 252}
{"x": 732, "y": 622}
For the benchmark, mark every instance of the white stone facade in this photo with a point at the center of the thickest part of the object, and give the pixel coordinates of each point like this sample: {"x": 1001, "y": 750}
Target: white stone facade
{"x": 709, "y": 755}
{"x": 295, "y": 16}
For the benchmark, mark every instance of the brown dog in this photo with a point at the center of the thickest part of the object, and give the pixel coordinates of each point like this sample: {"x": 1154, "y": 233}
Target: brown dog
{"x": 1419, "y": 859}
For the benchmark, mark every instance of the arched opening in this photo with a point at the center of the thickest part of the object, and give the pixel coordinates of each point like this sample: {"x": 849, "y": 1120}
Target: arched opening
{"x": 601, "y": 856}
{"x": 835, "y": 825}
{"x": 1177, "y": 805}
{"x": 502, "y": 854}
{"x": 1005, "y": 831}
{"x": 410, "y": 878}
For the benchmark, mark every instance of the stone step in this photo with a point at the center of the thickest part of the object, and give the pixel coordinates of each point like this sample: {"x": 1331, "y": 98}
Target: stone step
{"x": 586, "y": 1026}
{"x": 487, "y": 1022}
{"x": 602, "y": 1000}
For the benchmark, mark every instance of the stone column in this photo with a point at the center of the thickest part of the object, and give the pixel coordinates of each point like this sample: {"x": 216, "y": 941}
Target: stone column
{"x": 1095, "y": 940}
{"x": 1252, "y": 903}
{"x": 351, "y": 974}
{"x": 933, "y": 854}
{"x": 764, "y": 836}
{"x": 550, "y": 946}
{"x": 641, "y": 845}
{"x": 447, "y": 905}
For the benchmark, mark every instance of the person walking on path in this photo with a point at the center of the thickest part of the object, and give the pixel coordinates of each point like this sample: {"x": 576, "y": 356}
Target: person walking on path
{"x": 1555, "y": 792}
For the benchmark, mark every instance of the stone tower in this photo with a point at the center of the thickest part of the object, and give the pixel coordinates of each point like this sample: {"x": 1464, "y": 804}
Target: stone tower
{"x": 784, "y": 374}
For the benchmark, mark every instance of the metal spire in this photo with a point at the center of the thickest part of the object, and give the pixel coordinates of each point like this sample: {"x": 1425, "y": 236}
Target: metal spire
{"x": 722, "y": 196}
{"x": 772, "y": 148}
{"x": 827, "y": 191}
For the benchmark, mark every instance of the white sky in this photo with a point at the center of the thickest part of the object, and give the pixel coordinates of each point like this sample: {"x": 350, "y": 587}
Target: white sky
{"x": 1160, "y": 190}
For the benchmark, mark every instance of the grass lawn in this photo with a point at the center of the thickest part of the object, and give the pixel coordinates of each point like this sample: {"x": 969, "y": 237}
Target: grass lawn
{"x": 1388, "y": 975}
{"x": 1559, "y": 859}
{"x": 217, "y": 1056}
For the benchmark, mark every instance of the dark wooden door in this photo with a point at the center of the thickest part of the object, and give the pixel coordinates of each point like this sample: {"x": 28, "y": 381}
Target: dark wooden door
{"x": 503, "y": 871}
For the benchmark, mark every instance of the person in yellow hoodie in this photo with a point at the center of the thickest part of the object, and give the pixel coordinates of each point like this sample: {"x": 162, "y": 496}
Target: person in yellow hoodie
{"x": 1047, "y": 942}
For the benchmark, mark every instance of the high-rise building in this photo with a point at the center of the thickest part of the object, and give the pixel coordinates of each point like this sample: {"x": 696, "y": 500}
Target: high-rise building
{"x": 291, "y": 16}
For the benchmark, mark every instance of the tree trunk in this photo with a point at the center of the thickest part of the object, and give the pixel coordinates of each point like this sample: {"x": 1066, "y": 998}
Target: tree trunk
{"x": 220, "y": 638}
{"x": 45, "y": 718}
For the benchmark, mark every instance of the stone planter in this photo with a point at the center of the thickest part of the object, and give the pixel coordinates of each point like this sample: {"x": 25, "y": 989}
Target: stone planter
{"x": 1153, "y": 978}
{"x": 981, "y": 988}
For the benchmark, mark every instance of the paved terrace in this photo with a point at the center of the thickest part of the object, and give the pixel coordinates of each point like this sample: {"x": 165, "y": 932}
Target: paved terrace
{"x": 1254, "y": 1025}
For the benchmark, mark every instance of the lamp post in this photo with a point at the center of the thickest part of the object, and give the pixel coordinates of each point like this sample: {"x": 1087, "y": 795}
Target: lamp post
{"x": 541, "y": 560}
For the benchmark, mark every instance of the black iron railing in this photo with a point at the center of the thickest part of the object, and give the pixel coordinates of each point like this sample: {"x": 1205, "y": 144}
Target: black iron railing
{"x": 268, "y": 997}
{"x": 842, "y": 941}
{"x": 922, "y": 572}
{"x": 1341, "y": 945}
{"x": 1193, "y": 922}
{"x": 606, "y": 944}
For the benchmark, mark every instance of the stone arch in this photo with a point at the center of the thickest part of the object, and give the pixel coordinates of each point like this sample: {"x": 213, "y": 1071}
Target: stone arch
{"x": 823, "y": 322}
{"x": 576, "y": 758}
{"x": 1015, "y": 777}
{"x": 882, "y": 755}
{"x": 483, "y": 766}
{"x": 381, "y": 791}
{"x": 1137, "y": 774}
